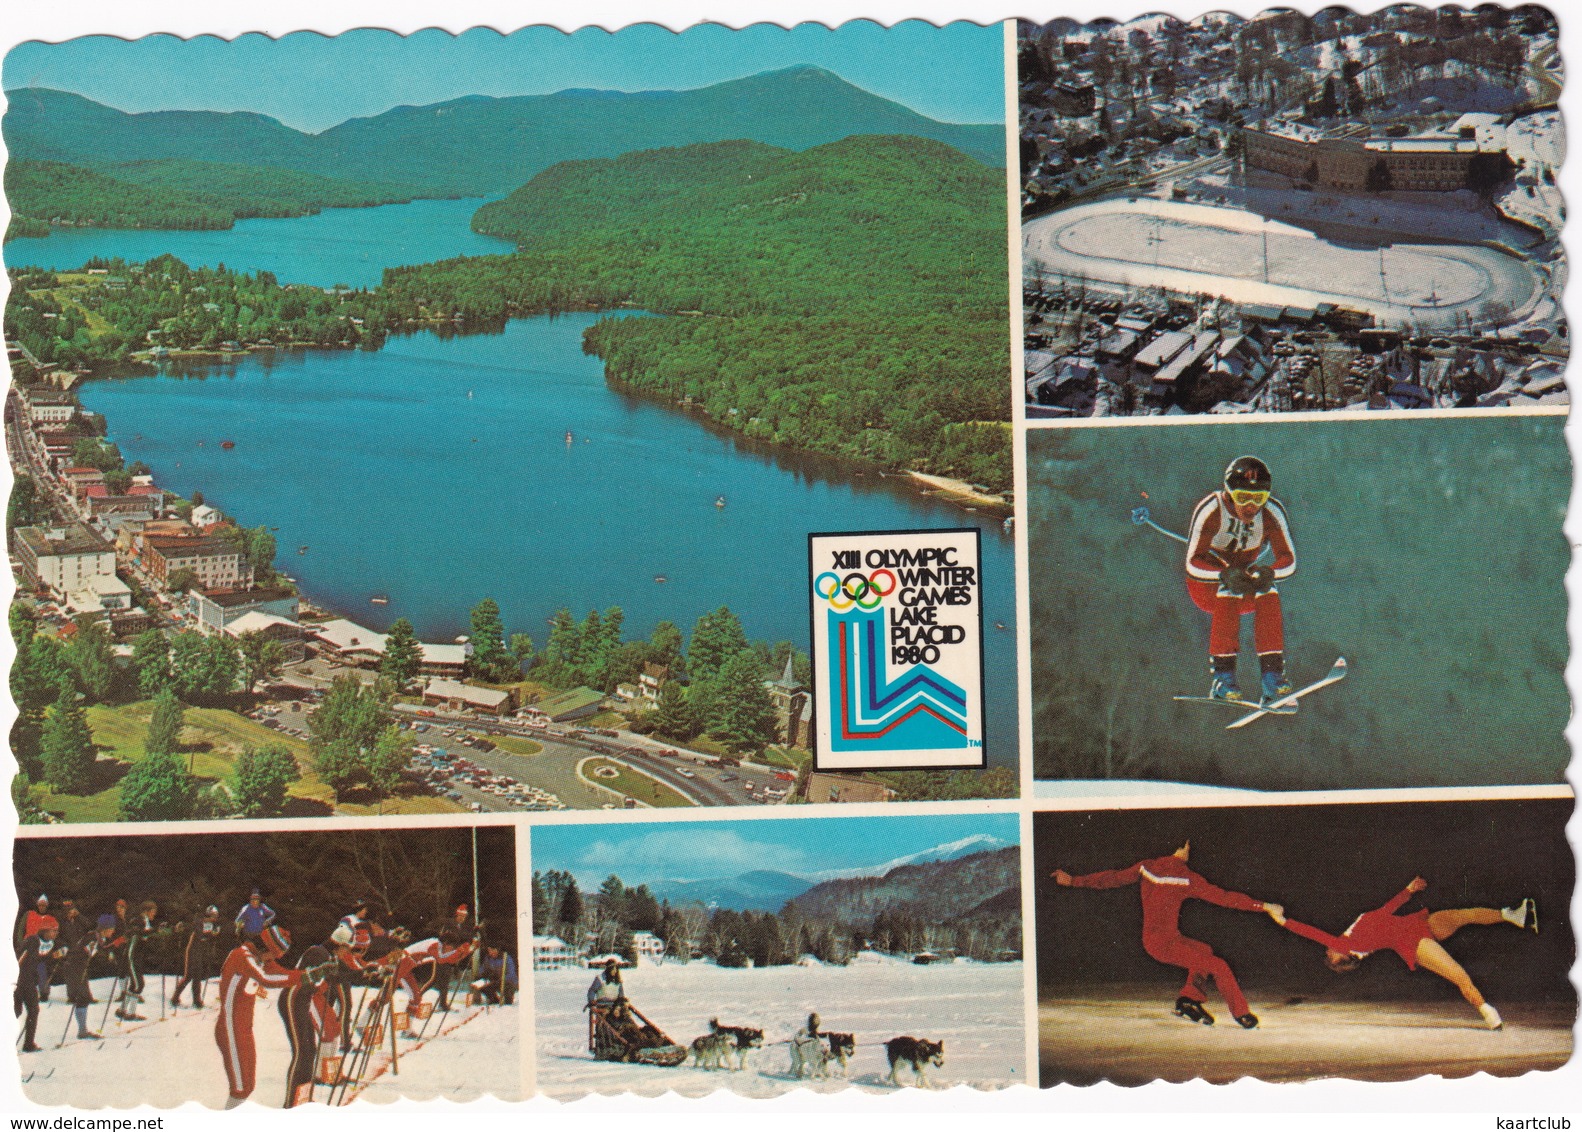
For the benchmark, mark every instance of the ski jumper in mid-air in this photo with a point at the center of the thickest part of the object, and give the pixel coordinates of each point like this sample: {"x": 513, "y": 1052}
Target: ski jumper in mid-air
{"x": 1166, "y": 883}
{"x": 1230, "y": 530}
{"x": 1417, "y": 938}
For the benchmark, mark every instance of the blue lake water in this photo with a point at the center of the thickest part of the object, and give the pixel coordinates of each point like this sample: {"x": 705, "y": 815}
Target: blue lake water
{"x": 436, "y": 471}
{"x": 340, "y": 245}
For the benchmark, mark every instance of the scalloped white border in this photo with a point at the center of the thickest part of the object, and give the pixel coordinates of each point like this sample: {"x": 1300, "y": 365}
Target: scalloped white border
{"x": 1470, "y": 1103}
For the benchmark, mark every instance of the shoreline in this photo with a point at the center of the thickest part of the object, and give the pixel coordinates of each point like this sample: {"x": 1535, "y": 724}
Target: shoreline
{"x": 962, "y": 492}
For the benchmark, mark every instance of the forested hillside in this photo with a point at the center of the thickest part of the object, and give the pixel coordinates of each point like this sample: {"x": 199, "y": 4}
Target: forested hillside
{"x": 174, "y": 194}
{"x": 849, "y": 299}
{"x": 936, "y": 891}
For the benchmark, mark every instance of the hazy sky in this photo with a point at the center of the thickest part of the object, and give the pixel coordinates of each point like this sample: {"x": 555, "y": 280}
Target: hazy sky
{"x": 311, "y": 82}
{"x": 641, "y": 853}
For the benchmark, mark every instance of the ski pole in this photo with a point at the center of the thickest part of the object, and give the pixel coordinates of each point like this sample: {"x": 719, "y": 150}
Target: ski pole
{"x": 1142, "y": 518}
{"x": 104, "y": 1020}
{"x": 66, "y": 1029}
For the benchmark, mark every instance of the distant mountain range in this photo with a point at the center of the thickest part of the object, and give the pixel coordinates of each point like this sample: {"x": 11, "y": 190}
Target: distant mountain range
{"x": 768, "y": 890}
{"x": 481, "y": 146}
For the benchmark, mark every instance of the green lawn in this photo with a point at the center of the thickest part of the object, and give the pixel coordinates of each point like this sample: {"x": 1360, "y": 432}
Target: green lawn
{"x": 212, "y": 738}
{"x": 513, "y": 745}
{"x": 632, "y": 784}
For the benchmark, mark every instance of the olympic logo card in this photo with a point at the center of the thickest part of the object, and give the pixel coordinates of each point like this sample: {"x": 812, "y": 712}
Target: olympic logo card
{"x": 897, "y": 632}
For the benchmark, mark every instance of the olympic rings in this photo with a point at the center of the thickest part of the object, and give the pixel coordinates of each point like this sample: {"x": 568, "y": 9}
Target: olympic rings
{"x": 854, "y": 589}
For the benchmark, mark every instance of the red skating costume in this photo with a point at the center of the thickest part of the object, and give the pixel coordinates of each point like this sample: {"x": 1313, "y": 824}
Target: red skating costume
{"x": 1378, "y": 930}
{"x": 1217, "y": 539}
{"x": 1166, "y": 883}
{"x": 244, "y": 975}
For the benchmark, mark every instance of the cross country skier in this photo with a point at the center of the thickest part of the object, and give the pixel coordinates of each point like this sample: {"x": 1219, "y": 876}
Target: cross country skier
{"x": 78, "y": 957}
{"x": 1230, "y": 529}
{"x": 36, "y": 918}
{"x": 1166, "y": 883}
{"x": 197, "y": 958}
{"x": 37, "y": 953}
{"x": 499, "y": 971}
{"x": 1418, "y": 938}
{"x": 310, "y": 1019}
{"x": 138, "y": 929}
{"x": 431, "y": 962}
{"x": 250, "y": 969}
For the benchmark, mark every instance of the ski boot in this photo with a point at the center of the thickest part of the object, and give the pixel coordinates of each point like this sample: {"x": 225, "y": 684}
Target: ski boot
{"x": 31, "y": 1048}
{"x": 126, "y": 1015}
{"x": 1276, "y": 686}
{"x": 1247, "y": 1021}
{"x": 1193, "y": 1011}
{"x": 90, "y": 1036}
{"x": 1224, "y": 688}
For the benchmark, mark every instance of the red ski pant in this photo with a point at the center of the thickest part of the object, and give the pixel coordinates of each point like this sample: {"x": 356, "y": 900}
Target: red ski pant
{"x": 233, "y": 1033}
{"x": 1201, "y": 963}
{"x": 1224, "y": 633}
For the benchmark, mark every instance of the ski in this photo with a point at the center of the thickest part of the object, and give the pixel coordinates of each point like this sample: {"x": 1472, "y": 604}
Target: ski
{"x": 1336, "y": 675}
{"x": 1246, "y": 705}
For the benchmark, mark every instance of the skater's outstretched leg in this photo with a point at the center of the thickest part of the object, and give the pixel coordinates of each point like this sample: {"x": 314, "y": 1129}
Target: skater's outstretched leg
{"x": 1432, "y": 956}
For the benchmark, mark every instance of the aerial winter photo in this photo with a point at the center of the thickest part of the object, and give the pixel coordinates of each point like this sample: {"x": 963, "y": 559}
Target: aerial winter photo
{"x": 434, "y": 424}
{"x": 1342, "y": 211}
{"x": 1327, "y": 604}
{"x": 1379, "y": 942}
{"x": 764, "y": 956}
{"x": 273, "y": 969}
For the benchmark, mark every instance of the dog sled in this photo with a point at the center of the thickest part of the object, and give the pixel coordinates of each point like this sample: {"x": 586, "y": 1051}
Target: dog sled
{"x": 617, "y": 1031}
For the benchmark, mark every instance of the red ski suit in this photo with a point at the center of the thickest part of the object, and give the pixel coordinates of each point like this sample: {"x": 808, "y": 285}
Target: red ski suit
{"x": 1216, "y": 539}
{"x": 233, "y": 1030}
{"x": 1166, "y": 883}
{"x": 1378, "y": 930}
{"x": 422, "y": 960}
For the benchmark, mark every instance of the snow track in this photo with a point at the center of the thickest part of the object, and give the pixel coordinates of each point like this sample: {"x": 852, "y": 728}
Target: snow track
{"x": 166, "y": 1063}
{"x": 974, "y": 1008}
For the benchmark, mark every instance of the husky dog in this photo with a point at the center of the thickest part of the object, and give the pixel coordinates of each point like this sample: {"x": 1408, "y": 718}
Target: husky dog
{"x": 916, "y": 1052}
{"x": 842, "y": 1048}
{"x": 743, "y": 1040}
{"x": 712, "y": 1051}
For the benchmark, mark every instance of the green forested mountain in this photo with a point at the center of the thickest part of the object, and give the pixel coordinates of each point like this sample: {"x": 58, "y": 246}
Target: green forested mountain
{"x": 478, "y": 145}
{"x": 850, "y": 299}
{"x": 175, "y": 194}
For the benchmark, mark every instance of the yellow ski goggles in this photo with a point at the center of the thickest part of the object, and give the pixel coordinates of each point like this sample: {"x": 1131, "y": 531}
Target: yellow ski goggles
{"x": 1243, "y": 498}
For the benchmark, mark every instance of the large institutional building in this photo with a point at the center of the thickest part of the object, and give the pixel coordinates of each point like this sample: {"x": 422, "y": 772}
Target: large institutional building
{"x": 1362, "y": 164}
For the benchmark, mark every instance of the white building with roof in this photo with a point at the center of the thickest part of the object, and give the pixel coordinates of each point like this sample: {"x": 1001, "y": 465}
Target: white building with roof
{"x": 551, "y": 953}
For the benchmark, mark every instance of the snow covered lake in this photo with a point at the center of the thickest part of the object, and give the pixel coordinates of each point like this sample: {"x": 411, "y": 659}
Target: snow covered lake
{"x": 166, "y": 1063}
{"x": 976, "y": 1009}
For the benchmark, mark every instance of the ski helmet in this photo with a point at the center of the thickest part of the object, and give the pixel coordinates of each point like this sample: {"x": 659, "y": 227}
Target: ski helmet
{"x": 1248, "y": 473}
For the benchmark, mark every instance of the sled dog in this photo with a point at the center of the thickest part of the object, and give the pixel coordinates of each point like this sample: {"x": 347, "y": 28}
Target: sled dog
{"x": 810, "y": 1057}
{"x": 916, "y": 1052}
{"x": 712, "y": 1051}
{"x": 744, "y": 1040}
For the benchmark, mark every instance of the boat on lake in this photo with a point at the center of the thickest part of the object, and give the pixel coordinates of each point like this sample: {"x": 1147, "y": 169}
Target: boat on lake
{"x": 227, "y": 444}
{"x": 380, "y": 599}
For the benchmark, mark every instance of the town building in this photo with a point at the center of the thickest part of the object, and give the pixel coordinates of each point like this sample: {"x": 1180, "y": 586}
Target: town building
{"x": 565, "y": 707}
{"x": 648, "y": 948}
{"x": 788, "y": 697}
{"x": 1356, "y": 164}
{"x": 354, "y": 644}
{"x": 48, "y": 406}
{"x": 823, "y": 787}
{"x": 217, "y": 564}
{"x": 457, "y": 696}
{"x": 284, "y": 631}
{"x": 64, "y": 559}
{"x": 651, "y": 680}
{"x": 102, "y": 593}
{"x": 551, "y": 953}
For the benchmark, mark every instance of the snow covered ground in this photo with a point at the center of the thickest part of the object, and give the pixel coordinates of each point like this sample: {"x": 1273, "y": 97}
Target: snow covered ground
{"x": 166, "y": 1063}
{"x": 1247, "y": 259}
{"x": 1128, "y": 1035}
{"x": 975, "y": 1009}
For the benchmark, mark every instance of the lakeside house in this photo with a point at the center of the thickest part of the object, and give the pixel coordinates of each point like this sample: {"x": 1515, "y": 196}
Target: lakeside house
{"x": 454, "y": 695}
{"x": 354, "y": 644}
{"x": 648, "y": 948}
{"x": 564, "y": 707}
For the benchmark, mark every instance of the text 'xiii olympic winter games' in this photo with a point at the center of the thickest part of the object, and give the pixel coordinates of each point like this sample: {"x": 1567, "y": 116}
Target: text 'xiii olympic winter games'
{"x": 898, "y": 648}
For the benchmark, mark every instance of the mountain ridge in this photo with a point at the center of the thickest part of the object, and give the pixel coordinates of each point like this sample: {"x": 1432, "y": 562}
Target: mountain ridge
{"x": 482, "y": 144}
